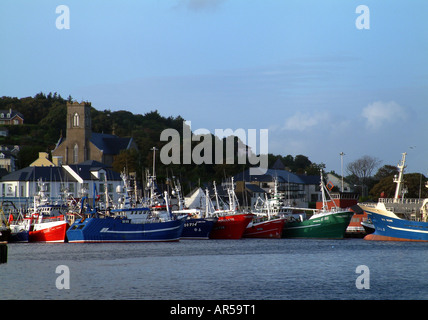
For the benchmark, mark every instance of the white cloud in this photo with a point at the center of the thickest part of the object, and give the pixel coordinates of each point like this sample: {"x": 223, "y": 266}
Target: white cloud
{"x": 379, "y": 112}
{"x": 302, "y": 121}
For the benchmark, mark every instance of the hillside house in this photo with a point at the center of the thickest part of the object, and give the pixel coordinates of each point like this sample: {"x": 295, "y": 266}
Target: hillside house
{"x": 11, "y": 117}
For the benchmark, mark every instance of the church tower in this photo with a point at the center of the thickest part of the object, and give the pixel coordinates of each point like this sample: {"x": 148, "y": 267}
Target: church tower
{"x": 78, "y": 132}
{"x": 81, "y": 144}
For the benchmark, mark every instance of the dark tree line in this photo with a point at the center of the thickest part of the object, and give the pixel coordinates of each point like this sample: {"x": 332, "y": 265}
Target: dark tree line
{"x": 45, "y": 122}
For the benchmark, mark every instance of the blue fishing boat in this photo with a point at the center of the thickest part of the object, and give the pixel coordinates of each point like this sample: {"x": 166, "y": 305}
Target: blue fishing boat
{"x": 198, "y": 228}
{"x": 398, "y": 218}
{"x": 128, "y": 223}
{"x": 389, "y": 227}
{"x": 198, "y": 224}
{"x": 118, "y": 228}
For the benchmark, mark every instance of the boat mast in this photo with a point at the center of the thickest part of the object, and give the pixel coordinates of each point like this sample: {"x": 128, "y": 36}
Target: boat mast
{"x": 324, "y": 200}
{"x": 153, "y": 179}
{"x": 231, "y": 194}
{"x": 399, "y": 180}
{"x": 267, "y": 206}
{"x": 207, "y": 203}
{"x": 216, "y": 196}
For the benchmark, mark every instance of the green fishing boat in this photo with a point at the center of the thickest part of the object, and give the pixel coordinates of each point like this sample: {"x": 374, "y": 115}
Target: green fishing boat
{"x": 327, "y": 225}
{"x": 324, "y": 223}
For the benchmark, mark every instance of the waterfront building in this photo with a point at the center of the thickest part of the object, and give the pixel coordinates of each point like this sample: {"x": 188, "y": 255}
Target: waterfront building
{"x": 299, "y": 190}
{"x": 75, "y": 180}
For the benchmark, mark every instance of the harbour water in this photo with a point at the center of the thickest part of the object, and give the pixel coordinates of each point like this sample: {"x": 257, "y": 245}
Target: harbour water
{"x": 246, "y": 269}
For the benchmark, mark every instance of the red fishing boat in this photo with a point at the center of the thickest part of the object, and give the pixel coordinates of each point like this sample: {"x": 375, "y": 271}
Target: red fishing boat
{"x": 47, "y": 229}
{"x": 47, "y": 222}
{"x": 231, "y": 226}
{"x": 260, "y": 228}
{"x": 231, "y": 223}
{"x": 270, "y": 217}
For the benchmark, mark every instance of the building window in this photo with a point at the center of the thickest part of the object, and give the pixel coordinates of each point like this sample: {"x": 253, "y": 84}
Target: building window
{"x": 76, "y": 120}
{"x": 76, "y": 153}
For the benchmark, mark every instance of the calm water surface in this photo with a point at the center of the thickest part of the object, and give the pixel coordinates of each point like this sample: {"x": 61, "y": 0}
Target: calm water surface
{"x": 265, "y": 269}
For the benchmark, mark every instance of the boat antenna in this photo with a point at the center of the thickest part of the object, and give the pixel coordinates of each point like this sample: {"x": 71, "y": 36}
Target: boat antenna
{"x": 154, "y": 161}
{"x": 399, "y": 180}
{"x": 216, "y": 196}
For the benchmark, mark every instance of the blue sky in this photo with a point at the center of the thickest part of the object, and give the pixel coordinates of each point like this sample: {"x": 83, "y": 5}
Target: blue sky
{"x": 301, "y": 69}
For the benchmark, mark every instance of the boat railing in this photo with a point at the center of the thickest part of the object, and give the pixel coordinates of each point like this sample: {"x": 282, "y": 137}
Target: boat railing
{"x": 53, "y": 219}
{"x": 402, "y": 200}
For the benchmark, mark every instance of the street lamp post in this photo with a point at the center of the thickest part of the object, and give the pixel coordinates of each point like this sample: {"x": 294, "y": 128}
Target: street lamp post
{"x": 341, "y": 163}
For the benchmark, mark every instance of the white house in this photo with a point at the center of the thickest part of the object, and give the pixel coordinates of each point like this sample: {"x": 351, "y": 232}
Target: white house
{"x": 90, "y": 177}
{"x": 336, "y": 181}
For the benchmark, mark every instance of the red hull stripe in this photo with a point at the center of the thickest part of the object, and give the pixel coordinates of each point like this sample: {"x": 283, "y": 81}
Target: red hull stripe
{"x": 54, "y": 234}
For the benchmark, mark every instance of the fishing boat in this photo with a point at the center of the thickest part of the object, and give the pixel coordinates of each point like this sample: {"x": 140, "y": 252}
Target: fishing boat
{"x": 47, "y": 229}
{"x": 19, "y": 229}
{"x": 197, "y": 225}
{"x": 324, "y": 223}
{"x": 4, "y": 234}
{"x": 4, "y": 228}
{"x": 398, "y": 218}
{"x": 368, "y": 226}
{"x": 127, "y": 223}
{"x": 231, "y": 223}
{"x": 45, "y": 222}
{"x": 265, "y": 227}
{"x": 18, "y": 226}
{"x": 268, "y": 220}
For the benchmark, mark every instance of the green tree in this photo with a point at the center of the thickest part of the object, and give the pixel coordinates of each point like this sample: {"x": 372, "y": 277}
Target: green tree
{"x": 414, "y": 183}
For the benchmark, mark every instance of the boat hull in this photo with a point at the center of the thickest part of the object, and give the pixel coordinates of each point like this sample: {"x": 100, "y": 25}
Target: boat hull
{"x": 54, "y": 231}
{"x": 265, "y": 229}
{"x": 331, "y": 226}
{"x": 19, "y": 236}
{"x": 388, "y": 228}
{"x": 111, "y": 229}
{"x": 231, "y": 226}
{"x": 198, "y": 228}
{"x": 355, "y": 228}
{"x": 5, "y": 234}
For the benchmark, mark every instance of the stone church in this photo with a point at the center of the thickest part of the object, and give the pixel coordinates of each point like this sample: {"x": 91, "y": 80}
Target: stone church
{"x": 81, "y": 144}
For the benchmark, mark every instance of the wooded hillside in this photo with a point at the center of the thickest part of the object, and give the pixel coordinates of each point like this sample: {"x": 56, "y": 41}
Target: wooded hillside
{"x": 44, "y": 123}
